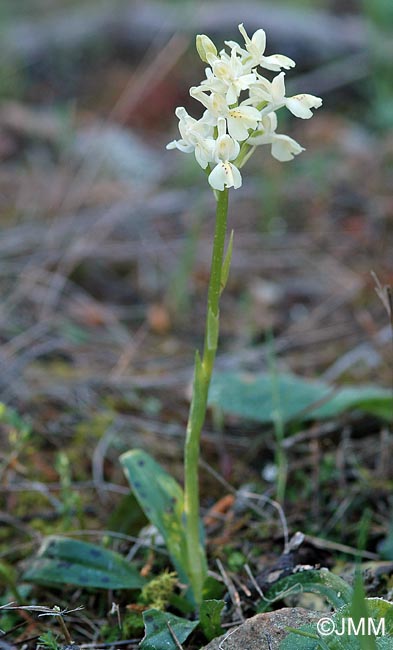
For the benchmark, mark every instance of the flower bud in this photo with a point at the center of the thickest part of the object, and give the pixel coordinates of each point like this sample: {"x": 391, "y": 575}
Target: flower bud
{"x": 205, "y": 47}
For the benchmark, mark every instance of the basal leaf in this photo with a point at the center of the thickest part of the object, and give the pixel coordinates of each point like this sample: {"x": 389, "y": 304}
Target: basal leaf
{"x": 257, "y": 397}
{"x": 161, "y": 498}
{"x": 157, "y": 632}
{"x": 369, "y": 399}
{"x": 319, "y": 581}
{"x": 62, "y": 560}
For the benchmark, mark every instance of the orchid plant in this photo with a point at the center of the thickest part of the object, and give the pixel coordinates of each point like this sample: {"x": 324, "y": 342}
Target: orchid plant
{"x": 240, "y": 114}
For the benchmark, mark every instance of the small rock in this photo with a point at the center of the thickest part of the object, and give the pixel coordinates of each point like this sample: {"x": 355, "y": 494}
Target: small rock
{"x": 264, "y": 631}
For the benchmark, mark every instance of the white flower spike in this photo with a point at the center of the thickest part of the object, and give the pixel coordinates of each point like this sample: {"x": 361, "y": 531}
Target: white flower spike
{"x": 240, "y": 109}
{"x": 240, "y": 113}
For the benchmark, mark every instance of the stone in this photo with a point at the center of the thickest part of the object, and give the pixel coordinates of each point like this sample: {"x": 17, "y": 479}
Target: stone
{"x": 264, "y": 631}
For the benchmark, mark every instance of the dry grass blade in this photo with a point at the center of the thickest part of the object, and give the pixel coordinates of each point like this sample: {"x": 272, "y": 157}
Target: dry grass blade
{"x": 42, "y": 610}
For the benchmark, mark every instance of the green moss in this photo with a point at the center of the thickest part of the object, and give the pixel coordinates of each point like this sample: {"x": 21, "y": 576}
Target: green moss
{"x": 157, "y": 593}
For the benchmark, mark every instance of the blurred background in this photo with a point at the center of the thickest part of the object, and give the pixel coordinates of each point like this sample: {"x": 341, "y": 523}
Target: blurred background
{"x": 105, "y": 236}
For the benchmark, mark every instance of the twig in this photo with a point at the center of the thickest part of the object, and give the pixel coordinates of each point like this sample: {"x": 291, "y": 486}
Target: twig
{"x": 318, "y": 542}
{"x": 276, "y": 505}
{"x": 65, "y": 631}
{"x": 174, "y": 637}
{"x": 254, "y": 582}
{"x": 233, "y": 593}
{"x": 111, "y": 644}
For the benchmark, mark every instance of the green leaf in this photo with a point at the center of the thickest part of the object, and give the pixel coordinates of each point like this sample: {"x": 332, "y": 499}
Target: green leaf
{"x": 210, "y": 618}
{"x": 318, "y": 581}
{"x": 157, "y": 633}
{"x": 369, "y": 399}
{"x": 359, "y": 611}
{"x": 257, "y": 397}
{"x": 62, "y": 560}
{"x": 161, "y": 499}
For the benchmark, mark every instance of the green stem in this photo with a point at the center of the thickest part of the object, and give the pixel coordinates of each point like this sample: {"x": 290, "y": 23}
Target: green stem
{"x": 196, "y": 558}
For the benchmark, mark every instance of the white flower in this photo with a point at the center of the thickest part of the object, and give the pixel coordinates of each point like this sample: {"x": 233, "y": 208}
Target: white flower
{"x": 212, "y": 84}
{"x": 240, "y": 119}
{"x": 215, "y": 103}
{"x": 196, "y": 136}
{"x": 225, "y": 174}
{"x": 228, "y": 77}
{"x": 226, "y": 147}
{"x": 273, "y": 92}
{"x": 255, "y": 49}
{"x": 300, "y": 105}
{"x": 283, "y": 147}
{"x": 204, "y": 151}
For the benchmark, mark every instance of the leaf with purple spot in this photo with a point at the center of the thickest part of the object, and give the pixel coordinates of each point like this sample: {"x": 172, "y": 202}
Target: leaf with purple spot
{"x": 161, "y": 498}
{"x": 62, "y": 560}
